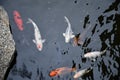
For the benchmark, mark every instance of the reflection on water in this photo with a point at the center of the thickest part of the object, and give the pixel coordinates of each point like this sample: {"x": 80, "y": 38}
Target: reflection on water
{"x": 104, "y": 33}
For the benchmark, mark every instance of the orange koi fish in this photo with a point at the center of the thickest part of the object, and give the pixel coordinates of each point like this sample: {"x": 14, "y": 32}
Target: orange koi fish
{"x": 18, "y": 20}
{"x": 61, "y": 71}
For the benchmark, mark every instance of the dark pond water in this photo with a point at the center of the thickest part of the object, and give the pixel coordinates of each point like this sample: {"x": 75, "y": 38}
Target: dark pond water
{"x": 31, "y": 64}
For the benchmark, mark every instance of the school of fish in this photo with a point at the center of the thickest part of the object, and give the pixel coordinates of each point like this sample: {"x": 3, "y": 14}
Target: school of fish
{"x": 68, "y": 35}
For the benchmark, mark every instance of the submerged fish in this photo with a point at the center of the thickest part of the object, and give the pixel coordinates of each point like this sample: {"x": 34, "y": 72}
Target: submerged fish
{"x": 18, "y": 20}
{"x": 38, "y": 39}
{"x": 82, "y": 72}
{"x": 78, "y": 38}
{"x": 93, "y": 55}
{"x": 61, "y": 71}
{"x": 68, "y": 34}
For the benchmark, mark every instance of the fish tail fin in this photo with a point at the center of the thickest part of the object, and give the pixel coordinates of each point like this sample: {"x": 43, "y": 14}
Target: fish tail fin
{"x": 74, "y": 68}
{"x": 67, "y": 20}
{"x": 29, "y": 20}
{"x": 104, "y": 50}
{"x": 89, "y": 69}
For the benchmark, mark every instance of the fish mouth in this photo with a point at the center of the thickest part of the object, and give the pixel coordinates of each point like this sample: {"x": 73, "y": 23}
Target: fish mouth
{"x": 67, "y": 40}
{"x": 53, "y": 73}
{"x": 40, "y": 49}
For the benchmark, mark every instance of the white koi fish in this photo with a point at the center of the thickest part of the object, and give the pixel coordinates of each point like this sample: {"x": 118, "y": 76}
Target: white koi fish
{"x": 82, "y": 72}
{"x": 68, "y": 34}
{"x": 93, "y": 55}
{"x": 38, "y": 40}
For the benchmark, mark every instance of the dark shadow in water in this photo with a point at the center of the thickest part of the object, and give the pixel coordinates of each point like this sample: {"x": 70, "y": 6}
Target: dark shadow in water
{"x": 115, "y": 31}
{"x": 24, "y": 73}
{"x": 86, "y": 42}
{"x": 113, "y": 6}
{"x": 75, "y": 1}
{"x": 94, "y": 29}
{"x": 109, "y": 19}
{"x": 114, "y": 42}
{"x": 39, "y": 75}
{"x": 11, "y": 64}
{"x": 21, "y": 71}
{"x": 10, "y": 29}
{"x": 86, "y": 21}
{"x": 100, "y": 19}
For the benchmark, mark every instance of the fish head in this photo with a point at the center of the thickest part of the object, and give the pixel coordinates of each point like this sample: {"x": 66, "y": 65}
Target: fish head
{"x": 87, "y": 55}
{"x": 77, "y": 75}
{"x": 53, "y": 73}
{"x": 67, "y": 39}
{"x": 16, "y": 13}
{"x": 39, "y": 46}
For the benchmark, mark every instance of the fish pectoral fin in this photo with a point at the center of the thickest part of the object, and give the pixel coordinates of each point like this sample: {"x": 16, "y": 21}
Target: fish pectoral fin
{"x": 34, "y": 41}
{"x": 43, "y": 40}
{"x": 64, "y": 34}
{"x": 72, "y": 36}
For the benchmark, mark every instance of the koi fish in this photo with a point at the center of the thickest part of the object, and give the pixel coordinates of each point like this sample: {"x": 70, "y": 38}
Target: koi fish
{"x": 68, "y": 34}
{"x": 82, "y": 72}
{"x": 93, "y": 55}
{"x": 18, "y": 20}
{"x": 38, "y": 39}
{"x": 61, "y": 71}
{"x": 78, "y": 38}
{"x": 77, "y": 41}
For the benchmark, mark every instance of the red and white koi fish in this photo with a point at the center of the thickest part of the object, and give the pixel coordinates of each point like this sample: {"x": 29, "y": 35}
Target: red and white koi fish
{"x": 68, "y": 34}
{"x": 93, "y": 55}
{"x": 61, "y": 71}
{"x": 38, "y": 39}
{"x": 82, "y": 72}
{"x": 78, "y": 38}
{"x": 18, "y": 20}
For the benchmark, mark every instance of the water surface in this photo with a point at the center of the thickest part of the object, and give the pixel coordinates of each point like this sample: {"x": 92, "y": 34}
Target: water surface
{"x": 31, "y": 64}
